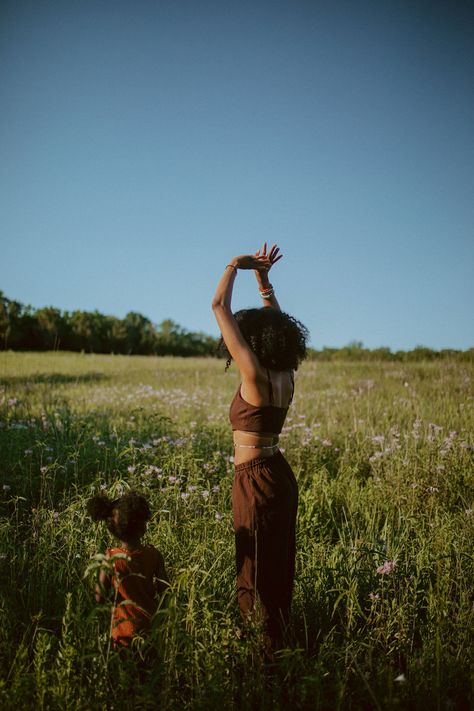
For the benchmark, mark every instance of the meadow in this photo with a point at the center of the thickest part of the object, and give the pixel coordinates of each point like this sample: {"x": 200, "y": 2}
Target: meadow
{"x": 383, "y": 605}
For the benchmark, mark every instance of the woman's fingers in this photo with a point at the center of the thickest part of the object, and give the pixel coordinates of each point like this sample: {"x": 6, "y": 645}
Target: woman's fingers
{"x": 272, "y": 256}
{"x": 273, "y": 251}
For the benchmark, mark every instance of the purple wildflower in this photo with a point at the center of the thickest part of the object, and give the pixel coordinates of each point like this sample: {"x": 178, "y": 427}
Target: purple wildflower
{"x": 387, "y": 568}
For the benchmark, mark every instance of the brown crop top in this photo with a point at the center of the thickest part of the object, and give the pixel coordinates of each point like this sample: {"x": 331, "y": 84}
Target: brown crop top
{"x": 258, "y": 418}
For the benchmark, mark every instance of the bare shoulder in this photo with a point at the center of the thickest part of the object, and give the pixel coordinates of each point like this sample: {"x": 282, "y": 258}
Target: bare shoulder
{"x": 255, "y": 386}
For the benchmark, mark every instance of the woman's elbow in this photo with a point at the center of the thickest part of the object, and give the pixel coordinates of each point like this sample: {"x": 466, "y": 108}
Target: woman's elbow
{"x": 218, "y": 305}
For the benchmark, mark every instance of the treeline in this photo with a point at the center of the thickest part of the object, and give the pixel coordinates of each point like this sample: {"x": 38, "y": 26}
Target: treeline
{"x": 24, "y": 328}
{"x": 356, "y": 352}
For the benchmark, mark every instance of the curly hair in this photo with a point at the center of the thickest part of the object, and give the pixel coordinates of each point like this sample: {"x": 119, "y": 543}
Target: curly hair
{"x": 125, "y": 517}
{"x": 277, "y": 339}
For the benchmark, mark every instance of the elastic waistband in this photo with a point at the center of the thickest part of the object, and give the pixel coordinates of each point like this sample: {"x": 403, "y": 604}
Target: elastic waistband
{"x": 255, "y": 462}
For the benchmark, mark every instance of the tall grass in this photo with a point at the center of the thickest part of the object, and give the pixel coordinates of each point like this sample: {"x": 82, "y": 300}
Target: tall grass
{"x": 383, "y": 605}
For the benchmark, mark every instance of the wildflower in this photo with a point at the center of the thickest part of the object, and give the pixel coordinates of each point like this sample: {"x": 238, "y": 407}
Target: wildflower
{"x": 173, "y": 479}
{"x": 192, "y": 488}
{"x": 400, "y": 679}
{"x": 219, "y": 516}
{"x": 6, "y": 487}
{"x": 131, "y": 469}
{"x": 469, "y": 512}
{"x": 184, "y": 495}
{"x": 43, "y": 470}
{"x": 387, "y": 567}
{"x": 432, "y": 489}
{"x": 152, "y": 469}
{"x": 374, "y": 596}
{"x": 216, "y": 488}
{"x": 28, "y": 452}
{"x": 56, "y": 516}
{"x": 3, "y": 556}
{"x": 205, "y": 493}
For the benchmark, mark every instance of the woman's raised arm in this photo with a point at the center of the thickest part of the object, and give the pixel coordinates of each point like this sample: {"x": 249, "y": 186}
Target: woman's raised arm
{"x": 238, "y": 348}
{"x": 265, "y": 288}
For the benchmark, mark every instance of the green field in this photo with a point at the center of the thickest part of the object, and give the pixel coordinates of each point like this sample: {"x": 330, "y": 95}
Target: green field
{"x": 383, "y": 455}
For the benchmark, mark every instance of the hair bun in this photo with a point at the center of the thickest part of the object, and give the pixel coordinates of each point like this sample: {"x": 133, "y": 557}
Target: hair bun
{"x": 99, "y": 507}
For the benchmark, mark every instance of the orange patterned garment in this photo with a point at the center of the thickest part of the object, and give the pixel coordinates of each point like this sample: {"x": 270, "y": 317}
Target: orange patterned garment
{"x": 133, "y": 581}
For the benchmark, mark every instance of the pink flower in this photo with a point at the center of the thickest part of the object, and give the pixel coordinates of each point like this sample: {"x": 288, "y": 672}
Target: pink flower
{"x": 387, "y": 567}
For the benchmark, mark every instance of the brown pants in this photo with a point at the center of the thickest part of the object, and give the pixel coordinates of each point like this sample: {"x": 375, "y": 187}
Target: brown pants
{"x": 264, "y": 503}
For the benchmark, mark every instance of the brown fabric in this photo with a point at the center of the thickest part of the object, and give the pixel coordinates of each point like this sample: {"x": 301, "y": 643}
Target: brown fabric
{"x": 264, "y": 502}
{"x": 257, "y": 418}
{"x": 252, "y": 418}
{"x": 133, "y": 581}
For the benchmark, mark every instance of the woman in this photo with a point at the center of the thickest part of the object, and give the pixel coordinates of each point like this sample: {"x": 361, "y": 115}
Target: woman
{"x": 267, "y": 345}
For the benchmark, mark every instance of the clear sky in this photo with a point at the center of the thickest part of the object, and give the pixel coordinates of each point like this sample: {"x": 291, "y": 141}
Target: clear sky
{"x": 144, "y": 143}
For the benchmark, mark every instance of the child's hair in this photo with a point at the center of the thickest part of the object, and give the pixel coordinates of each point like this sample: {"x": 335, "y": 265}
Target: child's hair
{"x": 125, "y": 517}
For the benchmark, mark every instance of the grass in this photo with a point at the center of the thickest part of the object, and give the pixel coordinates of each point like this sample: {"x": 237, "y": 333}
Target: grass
{"x": 383, "y": 456}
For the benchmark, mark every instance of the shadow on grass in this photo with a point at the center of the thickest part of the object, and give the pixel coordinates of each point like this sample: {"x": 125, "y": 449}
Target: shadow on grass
{"x": 52, "y": 378}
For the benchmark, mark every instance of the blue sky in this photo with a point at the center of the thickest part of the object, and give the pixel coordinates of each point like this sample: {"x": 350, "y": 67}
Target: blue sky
{"x": 143, "y": 144}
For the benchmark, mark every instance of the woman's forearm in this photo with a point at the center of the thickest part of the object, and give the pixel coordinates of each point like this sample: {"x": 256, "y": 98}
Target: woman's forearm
{"x": 223, "y": 295}
{"x": 264, "y": 285}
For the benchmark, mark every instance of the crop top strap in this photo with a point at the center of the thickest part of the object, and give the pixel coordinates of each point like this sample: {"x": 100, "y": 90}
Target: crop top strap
{"x": 270, "y": 387}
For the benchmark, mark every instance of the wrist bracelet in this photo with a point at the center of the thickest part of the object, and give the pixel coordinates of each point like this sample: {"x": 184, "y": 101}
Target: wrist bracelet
{"x": 232, "y": 266}
{"x": 267, "y": 293}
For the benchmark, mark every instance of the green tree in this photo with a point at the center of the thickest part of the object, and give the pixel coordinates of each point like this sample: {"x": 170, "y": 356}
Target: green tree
{"x": 50, "y": 326}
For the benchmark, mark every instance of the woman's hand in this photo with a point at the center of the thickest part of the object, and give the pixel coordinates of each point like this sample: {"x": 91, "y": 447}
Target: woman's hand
{"x": 268, "y": 259}
{"x": 262, "y": 261}
{"x": 259, "y": 262}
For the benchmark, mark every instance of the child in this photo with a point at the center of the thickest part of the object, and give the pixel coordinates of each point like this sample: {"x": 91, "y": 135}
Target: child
{"x": 138, "y": 573}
